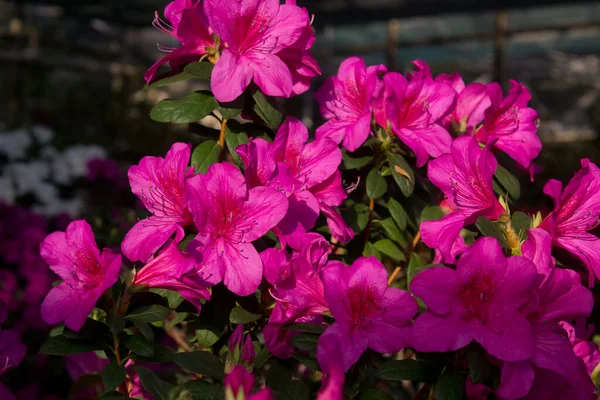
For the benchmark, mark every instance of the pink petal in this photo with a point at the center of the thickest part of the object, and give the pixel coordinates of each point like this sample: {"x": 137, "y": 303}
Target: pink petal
{"x": 472, "y": 103}
{"x": 358, "y": 132}
{"x": 442, "y": 234}
{"x": 585, "y": 246}
{"x": 59, "y": 304}
{"x": 146, "y": 237}
{"x": 271, "y": 74}
{"x": 336, "y": 224}
{"x": 231, "y": 76}
{"x": 352, "y": 345}
{"x": 516, "y": 380}
{"x": 435, "y": 286}
{"x": 509, "y": 339}
{"x": 243, "y": 268}
{"x": 319, "y": 160}
{"x": 435, "y": 333}
{"x": 56, "y": 252}
{"x": 264, "y": 209}
{"x": 276, "y": 265}
{"x": 182, "y": 55}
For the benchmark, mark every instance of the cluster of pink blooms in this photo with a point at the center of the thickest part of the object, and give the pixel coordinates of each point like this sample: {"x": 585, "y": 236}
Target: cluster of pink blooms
{"x": 526, "y": 313}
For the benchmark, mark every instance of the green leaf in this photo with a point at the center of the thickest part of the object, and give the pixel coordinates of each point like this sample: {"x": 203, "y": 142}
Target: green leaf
{"x": 234, "y": 140}
{"x": 269, "y": 114}
{"x": 310, "y": 362}
{"x": 261, "y": 358}
{"x": 139, "y": 345}
{"x": 92, "y": 329}
{"x": 508, "y": 182}
{"x": 201, "y": 362}
{"x": 479, "y": 366}
{"x": 204, "y": 155}
{"x": 278, "y": 376}
{"x": 521, "y": 222}
{"x": 432, "y": 213}
{"x": 116, "y": 324}
{"x": 294, "y": 390}
{"x": 156, "y": 387}
{"x": 305, "y": 341}
{"x": 398, "y": 213}
{"x": 162, "y": 354}
{"x": 415, "y": 266}
{"x": 240, "y": 316}
{"x": 308, "y": 328}
{"x": 183, "y": 76}
{"x": 146, "y": 331}
{"x": 388, "y": 248}
{"x": 112, "y": 395}
{"x": 450, "y": 386}
{"x": 191, "y": 108}
{"x": 203, "y": 390}
{"x": 488, "y": 228}
{"x": 402, "y": 173}
{"x": 408, "y": 370}
{"x": 61, "y": 346}
{"x": 393, "y": 232}
{"x": 371, "y": 250}
{"x": 355, "y": 163}
{"x": 206, "y": 337}
{"x": 374, "y": 394}
{"x": 174, "y": 299}
{"x": 376, "y": 185}
{"x": 89, "y": 381}
{"x": 113, "y": 376}
{"x": 199, "y": 70}
{"x": 231, "y": 109}
{"x": 357, "y": 217}
{"x": 147, "y": 314}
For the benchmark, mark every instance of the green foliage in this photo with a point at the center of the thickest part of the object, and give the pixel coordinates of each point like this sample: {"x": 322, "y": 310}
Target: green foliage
{"x": 450, "y": 386}
{"x": 153, "y": 384}
{"x": 241, "y": 316}
{"x": 409, "y": 370}
{"x": 266, "y": 111}
{"x": 113, "y": 376}
{"x": 149, "y": 313}
{"x": 402, "y": 173}
{"x": 507, "y": 183}
{"x": 191, "y": 108}
{"x": 376, "y": 185}
{"x": 61, "y": 346}
{"x": 200, "y": 362}
{"x": 204, "y": 155}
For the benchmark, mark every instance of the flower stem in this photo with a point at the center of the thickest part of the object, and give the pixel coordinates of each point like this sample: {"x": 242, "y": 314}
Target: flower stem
{"x": 414, "y": 244}
{"x": 222, "y": 138}
{"x": 368, "y": 228}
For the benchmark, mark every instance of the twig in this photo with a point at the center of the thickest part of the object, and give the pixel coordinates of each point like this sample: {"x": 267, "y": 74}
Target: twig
{"x": 222, "y": 138}
{"x": 177, "y": 336}
{"x": 407, "y": 254}
{"x": 368, "y": 227}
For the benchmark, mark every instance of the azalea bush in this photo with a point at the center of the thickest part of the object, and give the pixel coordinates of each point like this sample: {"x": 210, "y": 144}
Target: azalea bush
{"x": 382, "y": 256}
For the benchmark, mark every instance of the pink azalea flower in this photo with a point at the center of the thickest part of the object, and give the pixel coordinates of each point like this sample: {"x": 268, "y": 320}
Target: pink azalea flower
{"x": 332, "y": 383}
{"x": 256, "y": 32}
{"x": 160, "y": 185}
{"x": 346, "y": 100}
{"x": 577, "y": 211}
{"x": 187, "y": 22}
{"x": 414, "y": 108}
{"x": 85, "y": 363}
{"x": 297, "y": 289}
{"x": 5, "y": 393}
{"x": 229, "y": 217}
{"x": 86, "y": 273}
{"x": 579, "y": 334}
{"x": 479, "y": 301}
{"x": 548, "y": 385}
{"x": 174, "y": 270}
{"x": 367, "y": 313}
{"x": 559, "y": 295}
{"x": 245, "y": 348}
{"x": 12, "y": 351}
{"x": 305, "y": 172}
{"x": 511, "y": 124}
{"x": 239, "y": 383}
{"x": 465, "y": 177}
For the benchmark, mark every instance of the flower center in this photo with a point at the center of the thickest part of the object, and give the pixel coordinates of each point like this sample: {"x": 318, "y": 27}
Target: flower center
{"x": 476, "y": 297}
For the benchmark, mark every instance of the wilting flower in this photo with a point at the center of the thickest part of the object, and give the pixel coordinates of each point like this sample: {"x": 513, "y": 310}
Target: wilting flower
{"x": 239, "y": 383}
{"x": 188, "y": 24}
{"x": 510, "y": 124}
{"x": 160, "y": 185}
{"x": 465, "y": 177}
{"x": 229, "y": 217}
{"x": 86, "y": 273}
{"x": 577, "y": 211}
{"x": 479, "y": 301}
{"x": 305, "y": 172}
{"x": 256, "y": 33}
{"x": 367, "y": 313}
{"x": 559, "y": 296}
{"x": 414, "y": 108}
{"x": 346, "y": 100}
{"x": 297, "y": 289}
{"x": 332, "y": 384}
{"x": 174, "y": 270}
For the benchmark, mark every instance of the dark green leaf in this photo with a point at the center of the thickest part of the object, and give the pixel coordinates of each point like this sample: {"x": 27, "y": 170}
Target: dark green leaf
{"x": 204, "y": 155}
{"x": 305, "y": 341}
{"x": 357, "y": 217}
{"x": 402, "y": 173}
{"x": 162, "y": 354}
{"x": 521, "y": 222}
{"x": 183, "y": 76}
{"x": 240, "y": 316}
{"x": 308, "y": 361}
{"x": 269, "y": 114}
{"x": 147, "y": 314}
{"x": 450, "y": 386}
{"x": 207, "y": 336}
{"x": 234, "y": 140}
{"x": 376, "y": 185}
{"x": 113, "y": 376}
{"x": 200, "y": 362}
{"x": 261, "y": 358}
{"x": 61, "y": 346}
{"x": 278, "y": 376}
{"x": 398, "y": 213}
{"x": 156, "y": 387}
{"x": 488, "y": 228}
{"x": 356, "y": 163}
{"x": 113, "y": 395}
{"x": 432, "y": 213}
{"x": 294, "y": 390}
{"x": 231, "y": 109}
{"x": 303, "y": 327}
{"x": 508, "y": 182}
{"x": 182, "y": 246}
{"x": 199, "y": 70}
{"x": 393, "y": 232}
{"x": 388, "y": 248}
{"x": 408, "y": 370}
{"x": 116, "y": 324}
{"x": 146, "y": 331}
{"x": 92, "y": 329}
{"x": 374, "y": 394}
{"x": 203, "y": 390}
{"x": 371, "y": 250}
{"x": 191, "y": 108}
{"x": 479, "y": 366}
{"x": 85, "y": 382}
{"x": 139, "y": 345}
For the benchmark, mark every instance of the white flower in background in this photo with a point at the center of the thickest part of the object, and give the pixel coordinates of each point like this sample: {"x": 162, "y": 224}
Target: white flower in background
{"x": 7, "y": 190}
{"x": 42, "y": 134}
{"x": 14, "y": 144}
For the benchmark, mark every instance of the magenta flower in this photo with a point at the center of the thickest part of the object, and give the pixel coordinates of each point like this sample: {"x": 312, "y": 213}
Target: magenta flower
{"x": 12, "y": 351}
{"x": 414, "y": 108}
{"x": 367, "y": 313}
{"x": 160, "y": 185}
{"x": 577, "y": 211}
{"x": 239, "y": 383}
{"x": 86, "y": 273}
{"x": 174, "y": 270}
{"x": 465, "y": 177}
{"x": 346, "y": 100}
{"x": 188, "y": 24}
{"x": 479, "y": 301}
{"x": 256, "y": 32}
{"x": 579, "y": 334}
{"x": 85, "y": 363}
{"x": 511, "y": 124}
{"x": 238, "y": 347}
{"x": 229, "y": 217}
{"x": 332, "y": 383}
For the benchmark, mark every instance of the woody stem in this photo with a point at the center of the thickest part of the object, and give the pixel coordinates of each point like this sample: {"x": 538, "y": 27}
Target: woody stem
{"x": 368, "y": 228}
{"x": 222, "y": 138}
{"x": 407, "y": 254}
